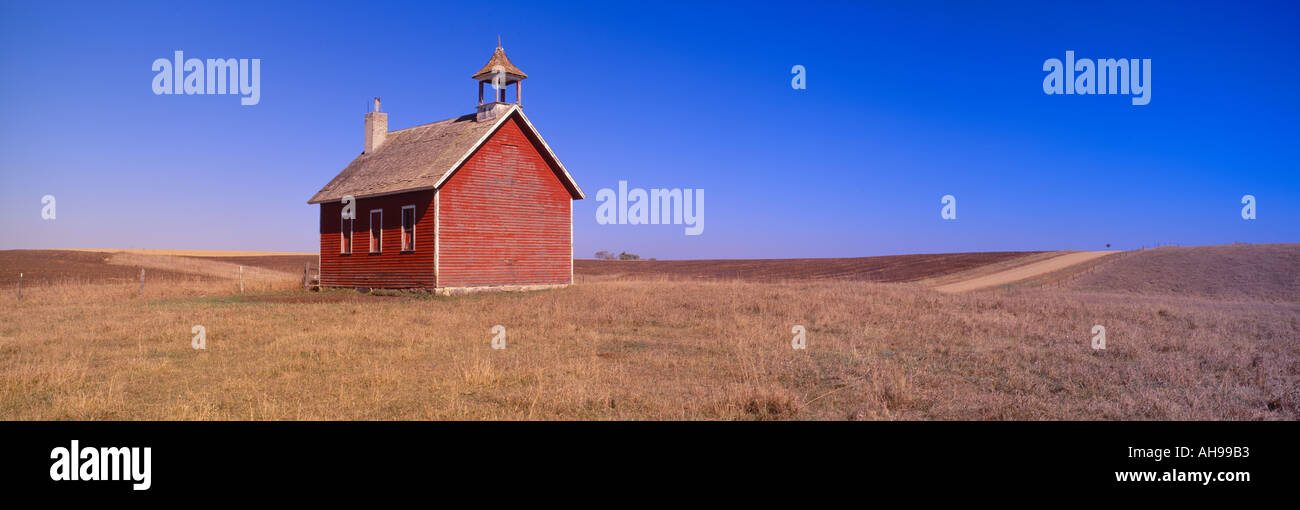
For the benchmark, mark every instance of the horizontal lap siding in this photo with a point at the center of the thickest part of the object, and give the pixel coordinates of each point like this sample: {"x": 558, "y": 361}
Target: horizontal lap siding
{"x": 391, "y": 268}
{"x": 505, "y": 217}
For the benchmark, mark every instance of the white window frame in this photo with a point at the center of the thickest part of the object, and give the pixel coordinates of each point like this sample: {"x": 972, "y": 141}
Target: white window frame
{"x": 376, "y": 247}
{"x": 350, "y": 238}
{"x": 412, "y": 208}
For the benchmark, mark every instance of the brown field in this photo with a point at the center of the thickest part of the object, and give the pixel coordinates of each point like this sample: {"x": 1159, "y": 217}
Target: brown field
{"x": 894, "y": 268}
{"x": 1216, "y": 336}
{"x": 46, "y": 267}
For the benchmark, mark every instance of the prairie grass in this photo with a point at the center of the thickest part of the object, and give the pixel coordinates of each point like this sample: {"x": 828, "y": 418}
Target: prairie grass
{"x": 1266, "y": 272}
{"x": 620, "y": 349}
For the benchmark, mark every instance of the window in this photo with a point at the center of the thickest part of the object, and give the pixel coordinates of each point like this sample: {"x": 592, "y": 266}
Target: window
{"x": 408, "y": 228}
{"x": 376, "y": 229}
{"x": 345, "y": 235}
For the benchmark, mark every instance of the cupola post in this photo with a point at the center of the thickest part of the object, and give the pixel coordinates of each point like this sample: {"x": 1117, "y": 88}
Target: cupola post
{"x": 500, "y": 74}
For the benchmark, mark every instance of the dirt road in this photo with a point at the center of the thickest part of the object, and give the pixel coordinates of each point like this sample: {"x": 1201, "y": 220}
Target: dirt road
{"x": 1026, "y": 271}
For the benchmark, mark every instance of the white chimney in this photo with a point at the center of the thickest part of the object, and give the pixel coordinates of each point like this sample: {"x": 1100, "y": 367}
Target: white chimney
{"x": 376, "y": 128}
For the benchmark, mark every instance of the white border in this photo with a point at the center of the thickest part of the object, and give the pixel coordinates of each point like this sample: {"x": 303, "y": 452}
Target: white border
{"x": 352, "y": 235}
{"x": 571, "y": 249}
{"x": 371, "y": 218}
{"x": 437, "y": 239}
{"x": 413, "y": 223}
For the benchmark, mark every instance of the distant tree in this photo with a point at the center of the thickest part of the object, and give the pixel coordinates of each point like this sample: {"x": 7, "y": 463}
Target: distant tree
{"x": 609, "y": 255}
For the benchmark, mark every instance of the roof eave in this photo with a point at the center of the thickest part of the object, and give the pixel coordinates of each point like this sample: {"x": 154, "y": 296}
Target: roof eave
{"x": 575, "y": 191}
{"x": 315, "y": 200}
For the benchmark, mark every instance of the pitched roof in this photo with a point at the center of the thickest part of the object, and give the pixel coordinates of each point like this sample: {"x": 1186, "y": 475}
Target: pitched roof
{"x": 499, "y": 58}
{"x": 424, "y": 157}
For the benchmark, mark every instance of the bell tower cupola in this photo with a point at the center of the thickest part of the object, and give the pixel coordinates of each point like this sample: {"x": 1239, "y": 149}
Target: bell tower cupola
{"x": 495, "y": 78}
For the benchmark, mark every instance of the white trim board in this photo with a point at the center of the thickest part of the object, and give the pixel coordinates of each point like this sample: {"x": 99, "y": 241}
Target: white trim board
{"x": 437, "y": 238}
{"x": 352, "y": 238}
{"x": 414, "y": 222}
{"x": 371, "y": 227}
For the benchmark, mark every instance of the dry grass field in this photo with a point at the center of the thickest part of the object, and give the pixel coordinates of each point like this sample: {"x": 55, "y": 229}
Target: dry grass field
{"x": 1216, "y": 337}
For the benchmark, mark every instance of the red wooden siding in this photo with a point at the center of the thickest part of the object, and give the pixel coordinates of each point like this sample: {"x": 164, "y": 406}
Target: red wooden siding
{"x": 505, "y": 217}
{"x": 391, "y": 267}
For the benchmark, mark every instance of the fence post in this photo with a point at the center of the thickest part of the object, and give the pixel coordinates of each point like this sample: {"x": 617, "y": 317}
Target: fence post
{"x": 305, "y": 268}
{"x": 241, "y": 279}
{"x": 20, "y": 286}
{"x": 142, "y": 281}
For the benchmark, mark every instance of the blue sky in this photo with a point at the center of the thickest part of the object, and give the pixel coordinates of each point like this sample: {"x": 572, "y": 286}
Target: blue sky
{"x": 904, "y": 104}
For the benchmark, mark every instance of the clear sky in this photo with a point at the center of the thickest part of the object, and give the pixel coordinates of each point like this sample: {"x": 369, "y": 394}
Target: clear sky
{"x": 904, "y": 104}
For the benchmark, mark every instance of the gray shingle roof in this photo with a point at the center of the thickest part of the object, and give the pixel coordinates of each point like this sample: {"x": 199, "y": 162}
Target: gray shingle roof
{"x": 410, "y": 159}
{"x": 421, "y": 157}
